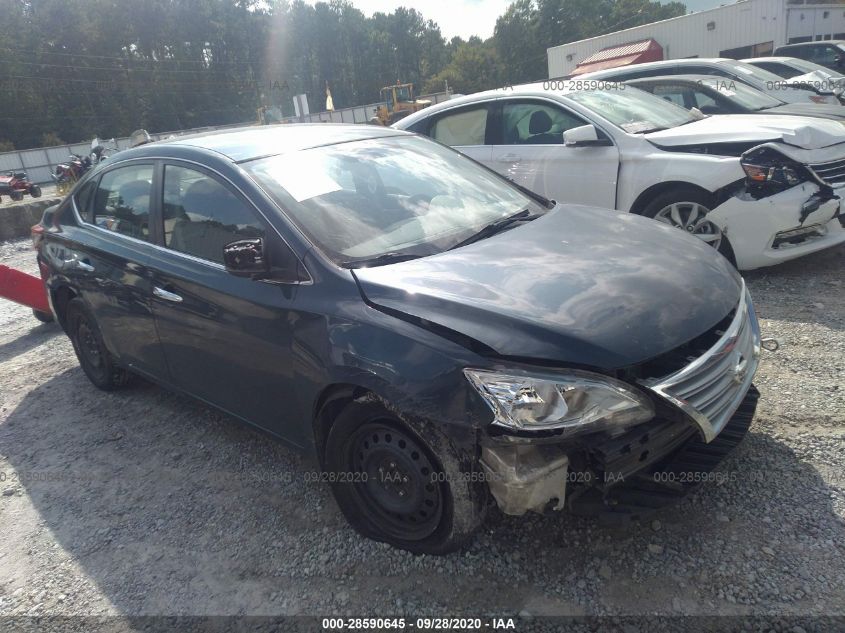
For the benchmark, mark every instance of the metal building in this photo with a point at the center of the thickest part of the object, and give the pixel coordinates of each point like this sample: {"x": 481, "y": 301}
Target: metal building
{"x": 749, "y": 28}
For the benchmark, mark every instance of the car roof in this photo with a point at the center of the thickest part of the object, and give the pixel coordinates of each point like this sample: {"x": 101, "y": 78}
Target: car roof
{"x": 696, "y": 79}
{"x": 247, "y": 143}
{"x": 819, "y": 43}
{"x": 609, "y": 72}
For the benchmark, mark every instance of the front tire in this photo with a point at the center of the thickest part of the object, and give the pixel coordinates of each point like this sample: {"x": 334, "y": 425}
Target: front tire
{"x": 686, "y": 209}
{"x": 96, "y": 361}
{"x": 35, "y": 191}
{"x": 393, "y": 486}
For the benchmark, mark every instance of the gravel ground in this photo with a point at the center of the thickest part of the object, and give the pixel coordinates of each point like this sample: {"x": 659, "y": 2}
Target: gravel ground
{"x": 146, "y": 502}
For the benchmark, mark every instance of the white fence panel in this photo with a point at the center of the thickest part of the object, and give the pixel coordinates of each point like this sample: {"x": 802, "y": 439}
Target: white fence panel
{"x": 10, "y": 162}
{"x": 32, "y": 158}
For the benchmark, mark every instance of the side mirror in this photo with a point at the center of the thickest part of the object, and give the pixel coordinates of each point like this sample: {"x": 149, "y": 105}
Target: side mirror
{"x": 246, "y": 258}
{"x": 583, "y": 136}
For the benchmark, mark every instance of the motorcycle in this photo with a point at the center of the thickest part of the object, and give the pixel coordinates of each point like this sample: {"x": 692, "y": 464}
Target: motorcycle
{"x": 16, "y": 185}
{"x": 66, "y": 174}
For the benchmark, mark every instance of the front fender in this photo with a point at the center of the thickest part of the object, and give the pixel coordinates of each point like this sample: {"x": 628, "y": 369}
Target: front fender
{"x": 416, "y": 373}
{"x": 644, "y": 169}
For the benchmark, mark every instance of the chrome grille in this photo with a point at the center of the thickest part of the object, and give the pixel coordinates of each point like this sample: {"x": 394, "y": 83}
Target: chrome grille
{"x": 712, "y": 386}
{"x": 833, "y": 173}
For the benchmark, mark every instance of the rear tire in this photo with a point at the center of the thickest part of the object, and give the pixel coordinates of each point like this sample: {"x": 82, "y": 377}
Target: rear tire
{"x": 393, "y": 486}
{"x": 96, "y": 361}
{"x": 35, "y": 191}
{"x": 692, "y": 208}
{"x": 16, "y": 196}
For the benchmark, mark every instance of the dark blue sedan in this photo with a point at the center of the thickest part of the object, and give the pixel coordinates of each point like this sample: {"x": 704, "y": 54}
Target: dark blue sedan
{"x": 438, "y": 338}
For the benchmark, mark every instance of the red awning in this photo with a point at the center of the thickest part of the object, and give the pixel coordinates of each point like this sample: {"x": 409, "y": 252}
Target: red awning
{"x": 623, "y": 55}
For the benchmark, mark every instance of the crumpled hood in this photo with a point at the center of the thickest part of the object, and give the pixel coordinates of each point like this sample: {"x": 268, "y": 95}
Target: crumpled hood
{"x": 579, "y": 286}
{"x": 806, "y": 133}
{"x": 822, "y": 82}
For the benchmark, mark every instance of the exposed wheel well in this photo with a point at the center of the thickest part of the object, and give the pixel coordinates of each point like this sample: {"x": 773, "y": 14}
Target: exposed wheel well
{"x": 331, "y": 402}
{"x": 61, "y": 297}
{"x": 660, "y": 188}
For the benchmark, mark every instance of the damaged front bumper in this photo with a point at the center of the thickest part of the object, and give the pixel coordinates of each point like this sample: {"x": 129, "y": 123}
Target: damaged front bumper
{"x": 780, "y": 227}
{"x": 525, "y": 477}
{"x": 704, "y": 406}
{"x": 650, "y": 466}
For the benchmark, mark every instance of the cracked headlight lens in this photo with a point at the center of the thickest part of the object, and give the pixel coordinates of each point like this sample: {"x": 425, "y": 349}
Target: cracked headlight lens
{"x": 573, "y": 403}
{"x": 768, "y": 171}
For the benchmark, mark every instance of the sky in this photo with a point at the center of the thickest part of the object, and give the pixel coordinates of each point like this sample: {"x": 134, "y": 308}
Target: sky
{"x": 473, "y": 17}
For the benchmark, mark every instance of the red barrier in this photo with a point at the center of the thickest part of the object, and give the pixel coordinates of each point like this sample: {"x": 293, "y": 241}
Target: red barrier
{"x": 24, "y": 289}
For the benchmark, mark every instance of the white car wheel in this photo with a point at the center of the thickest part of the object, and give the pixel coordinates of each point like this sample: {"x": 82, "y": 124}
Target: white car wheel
{"x": 692, "y": 218}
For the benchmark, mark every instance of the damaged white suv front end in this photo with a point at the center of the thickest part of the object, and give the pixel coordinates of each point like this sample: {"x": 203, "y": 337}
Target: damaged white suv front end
{"x": 762, "y": 189}
{"x": 783, "y": 195}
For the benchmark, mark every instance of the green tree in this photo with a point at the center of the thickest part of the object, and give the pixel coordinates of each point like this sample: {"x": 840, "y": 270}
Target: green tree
{"x": 79, "y": 68}
{"x": 474, "y": 67}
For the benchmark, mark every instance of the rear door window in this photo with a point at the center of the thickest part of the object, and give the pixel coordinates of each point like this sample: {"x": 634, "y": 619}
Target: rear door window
{"x": 84, "y": 199}
{"x": 122, "y": 201}
{"x": 465, "y": 127}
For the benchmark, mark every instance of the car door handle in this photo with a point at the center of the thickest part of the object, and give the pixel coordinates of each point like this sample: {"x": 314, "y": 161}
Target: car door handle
{"x": 78, "y": 264}
{"x": 510, "y": 158}
{"x": 161, "y": 293}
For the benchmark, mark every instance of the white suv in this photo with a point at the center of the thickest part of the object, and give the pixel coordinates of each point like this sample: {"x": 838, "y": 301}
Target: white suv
{"x": 761, "y": 189}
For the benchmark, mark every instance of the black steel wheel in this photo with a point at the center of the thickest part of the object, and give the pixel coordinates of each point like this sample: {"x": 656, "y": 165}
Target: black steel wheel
{"x": 393, "y": 486}
{"x": 398, "y": 486}
{"x": 96, "y": 361}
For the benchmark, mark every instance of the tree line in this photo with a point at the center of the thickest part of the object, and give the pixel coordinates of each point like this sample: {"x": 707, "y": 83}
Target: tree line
{"x": 74, "y": 69}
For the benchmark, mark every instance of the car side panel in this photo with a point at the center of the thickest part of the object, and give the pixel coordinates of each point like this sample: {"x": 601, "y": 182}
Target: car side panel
{"x": 264, "y": 353}
{"x": 111, "y": 274}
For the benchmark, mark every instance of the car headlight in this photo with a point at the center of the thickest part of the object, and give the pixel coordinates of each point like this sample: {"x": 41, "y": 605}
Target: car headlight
{"x": 574, "y": 402}
{"x": 769, "y": 172}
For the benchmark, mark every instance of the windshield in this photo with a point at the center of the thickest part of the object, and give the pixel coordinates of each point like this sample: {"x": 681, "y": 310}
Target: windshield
{"x": 397, "y": 195}
{"x": 746, "y": 96}
{"x": 634, "y": 110}
{"x": 809, "y": 67}
{"x": 754, "y": 73}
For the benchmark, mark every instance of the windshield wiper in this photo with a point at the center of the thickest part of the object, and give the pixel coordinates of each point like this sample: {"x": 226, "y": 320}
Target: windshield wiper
{"x": 497, "y": 226}
{"x": 392, "y": 257}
